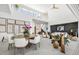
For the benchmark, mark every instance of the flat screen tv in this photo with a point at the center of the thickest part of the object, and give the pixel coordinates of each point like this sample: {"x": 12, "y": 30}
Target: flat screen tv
{"x": 60, "y": 28}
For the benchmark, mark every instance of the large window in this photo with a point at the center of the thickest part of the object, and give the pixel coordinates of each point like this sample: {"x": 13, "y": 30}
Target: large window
{"x": 2, "y": 28}
{"x": 19, "y": 22}
{"x": 17, "y": 29}
{"x": 18, "y": 26}
{"x": 2, "y": 21}
{"x": 12, "y": 25}
{"x": 10, "y": 28}
{"x": 21, "y": 28}
{"x": 2, "y": 25}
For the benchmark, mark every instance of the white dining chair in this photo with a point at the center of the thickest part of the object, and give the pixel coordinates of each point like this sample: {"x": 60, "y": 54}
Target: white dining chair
{"x": 10, "y": 40}
{"x": 3, "y": 36}
{"x": 36, "y": 41}
{"x": 20, "y": 43}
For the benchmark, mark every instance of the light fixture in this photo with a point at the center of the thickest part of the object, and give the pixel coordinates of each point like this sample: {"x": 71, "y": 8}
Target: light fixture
{"x": 54, "y": 6}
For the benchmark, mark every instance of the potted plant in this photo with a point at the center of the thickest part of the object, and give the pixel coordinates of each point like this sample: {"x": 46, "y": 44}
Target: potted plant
{"x": 26, "y": 30}
{"x": 66, "y": 40}
{"x": 55, "y": 41}
{"x": 63, "y": 41}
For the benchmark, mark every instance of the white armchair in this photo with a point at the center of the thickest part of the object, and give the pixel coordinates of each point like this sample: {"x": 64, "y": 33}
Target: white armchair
{"x": 10, "y": 40}
{"x": 36, "y": 40}
{"x": 3, "y": 36}
{"x": 20, "y": 43}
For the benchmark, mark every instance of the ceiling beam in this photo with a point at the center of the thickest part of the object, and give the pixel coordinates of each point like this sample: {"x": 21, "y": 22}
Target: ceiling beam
{"x": 72, "y": 11}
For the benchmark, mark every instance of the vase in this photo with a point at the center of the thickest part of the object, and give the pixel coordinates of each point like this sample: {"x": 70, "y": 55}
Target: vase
{"x": 55, "y": 44}
{"x": 62, "y": 49}
{"x": 26, "y": 36}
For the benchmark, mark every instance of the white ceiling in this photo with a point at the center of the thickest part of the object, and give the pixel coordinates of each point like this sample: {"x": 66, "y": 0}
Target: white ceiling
{"x": 75, "y": 9}
{"x": 63, "y": 14}
{"x": 44, "y": 8}
{"x": 39, "y": 7}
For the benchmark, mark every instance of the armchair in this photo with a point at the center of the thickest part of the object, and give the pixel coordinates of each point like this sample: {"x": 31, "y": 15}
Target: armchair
{"x": 20, "y": 43}
{"x": 10, "y": 40}
{"x": 36, "y": 41}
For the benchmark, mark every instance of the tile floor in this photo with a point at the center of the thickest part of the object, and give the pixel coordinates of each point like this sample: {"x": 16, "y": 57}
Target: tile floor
{"x": 45, "y": 49}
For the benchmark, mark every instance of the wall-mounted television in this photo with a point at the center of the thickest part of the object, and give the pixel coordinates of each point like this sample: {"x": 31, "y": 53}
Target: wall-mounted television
{"x": 60, "y": 28}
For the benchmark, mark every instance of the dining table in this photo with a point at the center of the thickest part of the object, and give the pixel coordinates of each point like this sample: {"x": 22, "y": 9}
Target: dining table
{"x": 31, "y": 37}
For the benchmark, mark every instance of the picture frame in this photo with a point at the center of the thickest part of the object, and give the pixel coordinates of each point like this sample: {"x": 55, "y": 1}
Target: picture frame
{"x": 17, "y": 29}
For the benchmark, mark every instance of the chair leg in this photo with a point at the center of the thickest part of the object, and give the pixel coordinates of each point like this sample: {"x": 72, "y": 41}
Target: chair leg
{"x": 39, "y": 44}
{"x": 14, "y": 50}
{"x": 35, "y": 46}
{"x": 23, "y": 50}
{"x": 9, "y": 46}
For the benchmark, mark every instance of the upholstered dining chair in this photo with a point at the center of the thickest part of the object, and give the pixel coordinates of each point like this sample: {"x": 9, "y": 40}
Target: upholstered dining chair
{"x": 36, "y": 41}
{"x": 3, "y": 36}
{"x": 20, "y": 43}
{"x": 10, "y": 40}
{"x": 3, "y": 39}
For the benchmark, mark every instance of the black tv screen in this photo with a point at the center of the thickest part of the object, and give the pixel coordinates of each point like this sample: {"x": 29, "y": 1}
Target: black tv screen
{"x": 60, "y": 28}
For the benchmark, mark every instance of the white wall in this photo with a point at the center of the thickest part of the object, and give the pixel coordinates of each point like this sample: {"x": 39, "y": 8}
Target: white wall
{"x": 4, "y": 8}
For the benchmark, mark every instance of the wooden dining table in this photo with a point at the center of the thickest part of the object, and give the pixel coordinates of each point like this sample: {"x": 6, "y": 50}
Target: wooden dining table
{"x": 22, "y": 36}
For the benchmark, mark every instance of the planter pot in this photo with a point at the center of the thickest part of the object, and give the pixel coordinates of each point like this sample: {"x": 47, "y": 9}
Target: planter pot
{"x": 62, "y": 49}
{"x": 55, "y": 44}
{"x": 26, "y": 36}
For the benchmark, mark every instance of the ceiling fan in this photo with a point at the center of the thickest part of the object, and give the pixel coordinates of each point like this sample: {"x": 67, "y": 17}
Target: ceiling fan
{"x": 54, "y": 6}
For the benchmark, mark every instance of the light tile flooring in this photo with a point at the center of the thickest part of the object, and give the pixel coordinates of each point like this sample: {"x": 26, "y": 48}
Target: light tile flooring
{"x": 45, "y": 49}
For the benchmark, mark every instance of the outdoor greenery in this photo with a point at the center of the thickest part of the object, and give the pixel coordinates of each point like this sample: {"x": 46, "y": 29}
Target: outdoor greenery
{"x": 26, "y": 32}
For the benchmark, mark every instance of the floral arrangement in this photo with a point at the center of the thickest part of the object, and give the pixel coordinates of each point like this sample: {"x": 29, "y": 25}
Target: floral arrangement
{"x": 27, "y": 27}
